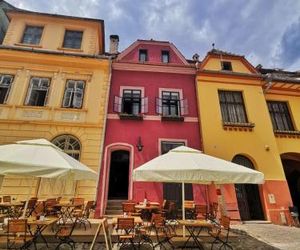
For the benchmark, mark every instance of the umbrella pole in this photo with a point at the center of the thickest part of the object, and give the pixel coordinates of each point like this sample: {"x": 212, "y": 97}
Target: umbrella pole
{"x": 28, "y": 197}
{"x": 183, "y": 208}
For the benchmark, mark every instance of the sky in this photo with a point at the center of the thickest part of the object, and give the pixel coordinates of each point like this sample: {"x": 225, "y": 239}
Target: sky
{"x": 267, "y": 32}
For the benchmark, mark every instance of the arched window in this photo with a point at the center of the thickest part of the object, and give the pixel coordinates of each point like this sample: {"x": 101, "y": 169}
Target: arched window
{"x": 244, "y": 161}
{"x": 69, "y": 144}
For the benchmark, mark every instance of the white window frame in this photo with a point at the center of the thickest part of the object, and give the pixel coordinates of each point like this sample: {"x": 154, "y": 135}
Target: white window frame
{"x": 74, "y": 94}
{"x": 39, "y": 88}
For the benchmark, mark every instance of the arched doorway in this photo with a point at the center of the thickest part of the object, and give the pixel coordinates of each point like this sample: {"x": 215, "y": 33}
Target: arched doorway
{"x": 291, "y": 166}
{"x": 247, "y": 195}
{"x": 118, "y": 175}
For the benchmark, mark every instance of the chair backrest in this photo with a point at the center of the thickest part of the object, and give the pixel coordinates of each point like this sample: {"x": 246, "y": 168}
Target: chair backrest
{"x": 79, "y": 202}
{"x": 225, "y": 222}
{"x": 125, "y": 223}
{"x": 17, "y": 226}
{"x": 50, "y": 202}
{"x": 6, "y": 198}
{"x": 89, "y": 205}
{"x": 157, "y": 220}
{"x": 201, "y": 209}
{"x": 214, "y": 209}
{"x": 189, "y": 204}
{"x": 128, "y": 207}
{"x": 31, "y": 203}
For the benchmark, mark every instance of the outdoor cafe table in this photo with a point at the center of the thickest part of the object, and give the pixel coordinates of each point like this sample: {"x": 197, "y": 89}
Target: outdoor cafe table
{"x": 147, "y": 210}
{"x": 137, "y": 220}
{"x": 195, "y": 227}
{"x": 11, "y": 208}
{"x": 40, "y": 226}
{"x": 66, "y": 210}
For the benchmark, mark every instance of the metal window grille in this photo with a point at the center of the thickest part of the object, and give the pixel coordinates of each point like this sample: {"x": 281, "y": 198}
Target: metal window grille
{"x": 232, "y": 107}
{"x": 280, "y": 116}
{"x": 69, "y": 144}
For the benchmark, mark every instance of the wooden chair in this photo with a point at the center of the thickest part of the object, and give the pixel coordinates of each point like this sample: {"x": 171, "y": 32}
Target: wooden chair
{"x": 162, "y": 232}
{"x": 84, "y": 214}
{"x": 31, "y": 206}
{"x": 18, "y": 235}
{"x": 126, "y": 231}
{"x": 201, "y": 212}
{"x": 64, "y": 234}
{"x": 129, "y": 209}
{"x": 213, "y": 211}
{"x": 189, "y": 207}
{"x": 50, "y": 208}
{"x": 7, "y": 198}
{"x": 220, "y": 233}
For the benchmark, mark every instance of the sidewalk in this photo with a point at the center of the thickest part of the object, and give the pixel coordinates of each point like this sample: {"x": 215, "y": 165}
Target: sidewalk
{"x": 281, "y": 237}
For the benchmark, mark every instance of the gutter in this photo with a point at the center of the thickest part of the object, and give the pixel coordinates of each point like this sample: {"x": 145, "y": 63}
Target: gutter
{"x": 104, "y": 128}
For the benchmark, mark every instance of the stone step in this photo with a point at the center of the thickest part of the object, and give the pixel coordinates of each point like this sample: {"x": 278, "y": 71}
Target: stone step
{"x": 113, "y": 212}
{"x": 256, "y": 222}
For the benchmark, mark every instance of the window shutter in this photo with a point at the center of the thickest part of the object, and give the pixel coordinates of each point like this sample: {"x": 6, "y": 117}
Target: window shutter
{"x": 184, "y": 107}
{"x": 159, "y": 106}
{"x": 144, "y": 108}
{"x": 117, "y": 104}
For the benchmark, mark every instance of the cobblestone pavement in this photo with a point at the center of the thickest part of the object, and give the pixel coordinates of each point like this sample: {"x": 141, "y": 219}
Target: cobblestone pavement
{"x": 281, "y": 237}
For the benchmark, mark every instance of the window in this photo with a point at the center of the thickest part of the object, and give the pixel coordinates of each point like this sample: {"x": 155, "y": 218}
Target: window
{"x": 38, "y": 91}
{"x": 166, "y": 146}
{"x": 74, "y": 93}
{"x": 280, "y": 116}
{"x": 32, "y": 35}
{"x": 170, "y": 103}
{"x": 165, "y": 56}
{"x": 131, "y": 101}
{"x": 143, "y": 55}
{"x": 232, "y": 107}
{"x": 226, "y": 65}
{"x": 73, "y": 39}
{"x": 69, "y": 144}
{"x": 5, "y": 85}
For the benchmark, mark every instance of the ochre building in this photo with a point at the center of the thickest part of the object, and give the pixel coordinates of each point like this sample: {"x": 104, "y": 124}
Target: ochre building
{"x": 54, "y": 79}
{"x": 251, "y": 118}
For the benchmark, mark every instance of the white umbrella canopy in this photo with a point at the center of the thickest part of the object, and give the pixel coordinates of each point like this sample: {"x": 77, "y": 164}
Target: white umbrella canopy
{"x": 41, "y": 158}
{"x": 188, "y": 165}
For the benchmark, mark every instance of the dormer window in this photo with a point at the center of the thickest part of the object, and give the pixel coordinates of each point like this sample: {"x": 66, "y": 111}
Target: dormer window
{"x": 226, "y": 65}
{"x": 165, "y": 56}
{"x": 73, "y": 39}
{"x": 32, "y": 35}
{"x": 143, "y": 55}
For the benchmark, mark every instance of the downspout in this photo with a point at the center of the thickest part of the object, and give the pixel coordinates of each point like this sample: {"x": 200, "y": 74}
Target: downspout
{"x": 200, "y": 126}
{"x": 269, "y": 82}
{"x": 104, "y": 130}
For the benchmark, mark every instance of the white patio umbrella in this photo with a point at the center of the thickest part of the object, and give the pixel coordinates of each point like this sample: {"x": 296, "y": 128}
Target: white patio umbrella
{"x": 188, "y": 165}
{"x": 41, "y": 158}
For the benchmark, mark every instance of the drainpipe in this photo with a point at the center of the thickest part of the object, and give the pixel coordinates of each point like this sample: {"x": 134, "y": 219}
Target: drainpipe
{"x": 269, "y": 82}
{"x": 104, "y": 130}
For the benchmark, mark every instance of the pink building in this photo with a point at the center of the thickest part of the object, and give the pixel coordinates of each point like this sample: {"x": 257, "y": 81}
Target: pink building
{"x": 152, "y": 109}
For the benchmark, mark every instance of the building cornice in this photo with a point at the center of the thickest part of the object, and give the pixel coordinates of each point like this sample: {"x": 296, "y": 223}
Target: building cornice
{"x": 157, "y": 68}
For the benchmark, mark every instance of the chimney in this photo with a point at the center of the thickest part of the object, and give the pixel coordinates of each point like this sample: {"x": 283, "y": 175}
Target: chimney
{"x": 114, "y": 44}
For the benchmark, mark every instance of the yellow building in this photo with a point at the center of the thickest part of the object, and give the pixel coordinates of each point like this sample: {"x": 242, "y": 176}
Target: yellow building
{"x": 54, "y": 79}
{"x": 236, "y": 126}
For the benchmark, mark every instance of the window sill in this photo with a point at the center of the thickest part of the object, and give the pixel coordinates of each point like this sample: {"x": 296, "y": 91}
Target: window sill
{"x": 130, "y": 117}
{"x": 4, "y": 105}
{"x": 28, "y": 45}
{"x": 70, "y": 49}
{"x": 287, "y": 133}
{"x": 173, "y": 118}
{"x": 238, "y": 126}
{"x": 33, "y": 107}
{"x": 71, "y": 109}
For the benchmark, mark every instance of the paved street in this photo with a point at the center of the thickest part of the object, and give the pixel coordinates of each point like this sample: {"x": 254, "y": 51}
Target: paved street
{"x": 281, "y": 237}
